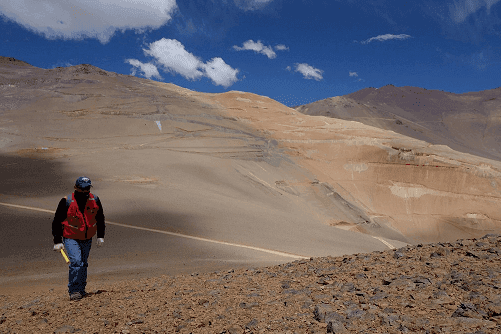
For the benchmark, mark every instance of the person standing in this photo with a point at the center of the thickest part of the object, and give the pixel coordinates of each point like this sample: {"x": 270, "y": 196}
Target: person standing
{"x": 78, "y": 218}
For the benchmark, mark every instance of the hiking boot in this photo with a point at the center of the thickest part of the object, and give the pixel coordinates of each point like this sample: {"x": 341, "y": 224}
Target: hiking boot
{"x": 75, "y": 296}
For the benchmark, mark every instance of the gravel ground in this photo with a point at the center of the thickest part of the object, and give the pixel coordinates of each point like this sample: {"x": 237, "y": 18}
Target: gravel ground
{"x": 435, "y": 288}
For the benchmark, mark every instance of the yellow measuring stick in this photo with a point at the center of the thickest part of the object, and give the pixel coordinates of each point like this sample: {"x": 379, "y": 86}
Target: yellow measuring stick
{"x": 65, "y": 256}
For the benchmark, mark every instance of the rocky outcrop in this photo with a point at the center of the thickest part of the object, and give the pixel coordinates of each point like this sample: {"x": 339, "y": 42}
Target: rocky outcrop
{"x": 437, "y": 288}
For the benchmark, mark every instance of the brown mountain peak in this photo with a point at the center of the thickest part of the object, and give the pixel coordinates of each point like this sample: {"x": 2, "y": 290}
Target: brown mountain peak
{"x": 12, "y": 61}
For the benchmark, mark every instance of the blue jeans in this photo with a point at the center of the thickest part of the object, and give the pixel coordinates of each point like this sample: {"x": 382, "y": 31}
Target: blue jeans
{"x": 78, "y": 253}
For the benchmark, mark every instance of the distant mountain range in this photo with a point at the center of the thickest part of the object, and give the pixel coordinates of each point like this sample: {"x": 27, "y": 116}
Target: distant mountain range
{"x": 469, "y": 122}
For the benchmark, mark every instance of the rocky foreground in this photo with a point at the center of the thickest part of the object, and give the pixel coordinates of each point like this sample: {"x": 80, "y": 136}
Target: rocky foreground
{"x": 437, "y": 288}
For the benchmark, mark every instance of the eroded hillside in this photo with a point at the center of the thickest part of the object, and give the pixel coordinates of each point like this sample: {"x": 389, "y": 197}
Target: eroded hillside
{"x": 309, "y": 172}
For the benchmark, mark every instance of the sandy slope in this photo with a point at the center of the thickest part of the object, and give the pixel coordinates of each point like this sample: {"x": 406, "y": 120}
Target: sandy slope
{"x": 404, "y": 188}
{"x": 162, "y": 158}
{"x": 234, "y": 167}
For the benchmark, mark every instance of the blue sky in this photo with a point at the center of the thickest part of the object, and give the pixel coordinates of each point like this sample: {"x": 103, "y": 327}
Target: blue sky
{"x": 294, "y": 51}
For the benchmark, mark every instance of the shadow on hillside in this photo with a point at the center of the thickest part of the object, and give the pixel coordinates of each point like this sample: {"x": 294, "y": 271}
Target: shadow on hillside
{"x": 32, "y": 177}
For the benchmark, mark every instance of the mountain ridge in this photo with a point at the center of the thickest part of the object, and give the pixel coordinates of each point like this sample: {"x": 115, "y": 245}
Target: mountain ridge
{"x": 468, "y": 122}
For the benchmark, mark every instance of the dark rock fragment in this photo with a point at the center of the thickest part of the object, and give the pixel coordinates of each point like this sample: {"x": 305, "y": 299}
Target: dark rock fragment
{"x": 361, "y": 276}
{"x": 472, "y": 255}
{"x": 336, "y": 317}
{"x": 494, "y": 309}
{"x": 494, "y": 250}
{"x": 386, "y": 282}
{"x": 252, "y": 324}
{"x": 467, "y": 310}
{"x": 490, "y": 235}
{"x": 422, "y": 281}
{"x": 335, "y": 327}
{"x": 398, "y": 255}
{"x": 245, "y": 305}
{"x": 403, "y": 329}
{"x": 354, "y": 313}
{"x": 322, "y": 297}
{"x": 440, "y": 294}
{"x": 348, "y": 287}
{"x": 361, "y": 294}
{"x": 33, "y": 302}
{"x": 321, "y": 311}
{"x": 135, "y": 322}
{"x": 325, "y": 281}
{"x": 379, "y": 296}
{"x": 389, "y": 320}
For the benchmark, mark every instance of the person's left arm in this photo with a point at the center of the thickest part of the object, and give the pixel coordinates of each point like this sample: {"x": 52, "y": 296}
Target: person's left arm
{"x": 101, "y": 226}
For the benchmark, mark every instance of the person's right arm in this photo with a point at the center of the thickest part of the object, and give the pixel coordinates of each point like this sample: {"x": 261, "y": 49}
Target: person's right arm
{"x": 59, "y": 217}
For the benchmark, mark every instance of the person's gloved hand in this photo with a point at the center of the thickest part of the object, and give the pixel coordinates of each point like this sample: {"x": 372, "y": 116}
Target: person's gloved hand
{"x": 58, "y": 247}
{"x": 100, "y": 242}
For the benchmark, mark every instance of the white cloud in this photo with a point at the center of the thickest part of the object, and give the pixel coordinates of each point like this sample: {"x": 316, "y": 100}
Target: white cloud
{"x": 353, "y": 74}
{"x": 309, "y": 72}
{"x": 76, "y": 19}
{"x": 281, "y": 47}
{"x": 148, "y": 69}
{"x": 251, "y": 4}
{"x": 382, "y": 38}
{"x": 257, "y": 47}
{"x": 288, "y": 68}
{"x": 460, "y": 10}
{"x": 172, "y": 56}
{"x": 220, "y": 73}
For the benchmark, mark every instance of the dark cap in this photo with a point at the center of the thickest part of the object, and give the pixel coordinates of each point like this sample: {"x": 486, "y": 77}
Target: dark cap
{"x": 83, "y": 182}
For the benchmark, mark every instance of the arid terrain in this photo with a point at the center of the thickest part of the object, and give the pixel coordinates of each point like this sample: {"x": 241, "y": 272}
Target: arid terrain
{"x": 438, "y": 288}
{"x": 468, "y": 122}
{"x": 203, "y": 183}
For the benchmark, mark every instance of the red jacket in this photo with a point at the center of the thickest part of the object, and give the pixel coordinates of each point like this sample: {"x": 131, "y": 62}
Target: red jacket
{"x": 78, "y": 225}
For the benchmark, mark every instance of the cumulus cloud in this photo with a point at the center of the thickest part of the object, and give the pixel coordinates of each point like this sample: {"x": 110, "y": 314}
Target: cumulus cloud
{"x": 220, "y": 73}
{"x": 309, "y": 72}
{"x": 460, "y": 10}
{"x": 257, "y": 47}
{"x": 148, "y": 69}
{"x": 172, "y": 57}
{"x": 82, "y": 18}
{"x": 386, "y": 37}
{"x": 353, "y": 74}
{"x": 251, "y": 4}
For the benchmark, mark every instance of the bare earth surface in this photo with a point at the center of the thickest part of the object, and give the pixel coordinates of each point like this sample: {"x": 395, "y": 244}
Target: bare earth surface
{"x": 468, "y": 122}
{"x": 439, "y": 288}
{"x": 194, "y": 182}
